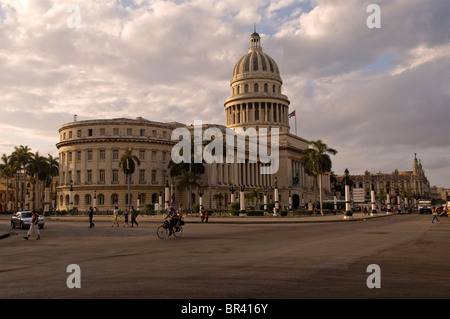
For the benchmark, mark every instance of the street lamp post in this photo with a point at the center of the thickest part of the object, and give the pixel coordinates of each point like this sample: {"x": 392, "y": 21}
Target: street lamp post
{"x": 348, "y": 209}
{"x": 95, "y": 200}
{"x": 290, "y": 201}
{"x": 242, "y": 200}
{"x": 232, "y": 190}
{"x": 71, "y": 196}
{"x": 200, "y": 194}
{"x": 265, "y": 199}
{"x": 275, "y": 196}
{"x": 166, "y": 195}
{"x": 372, "y": 200}
{"x": 27, "y": 205}
{"x": 160, "y": 201}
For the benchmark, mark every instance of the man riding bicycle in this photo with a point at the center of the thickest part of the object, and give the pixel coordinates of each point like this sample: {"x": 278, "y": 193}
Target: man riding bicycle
{"x": 175, "y": 219}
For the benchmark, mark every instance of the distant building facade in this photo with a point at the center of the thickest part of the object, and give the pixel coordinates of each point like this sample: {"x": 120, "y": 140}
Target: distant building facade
{"x": 406, "y": 184}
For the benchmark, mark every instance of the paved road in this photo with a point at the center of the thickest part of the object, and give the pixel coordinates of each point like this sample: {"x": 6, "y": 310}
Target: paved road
{"x": 245, "y": 260}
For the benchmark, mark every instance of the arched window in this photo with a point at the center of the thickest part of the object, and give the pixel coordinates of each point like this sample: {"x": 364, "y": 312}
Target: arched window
{"x": 76, "y": 200}
{"x": 87, "y": 199}
{"x": 101, "y": 199}
{"x": 114, "y": 199}
{"x": 266, "y": 87}
{"x": 246, "y": 88}
{"x": 255, "y": 87}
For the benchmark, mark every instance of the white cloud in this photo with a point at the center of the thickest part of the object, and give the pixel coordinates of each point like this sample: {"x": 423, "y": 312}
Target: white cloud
{"x": 172, "y": 61}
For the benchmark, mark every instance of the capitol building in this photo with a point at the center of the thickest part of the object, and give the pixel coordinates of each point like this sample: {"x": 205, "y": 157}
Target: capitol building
{"x": 90, "y": 151}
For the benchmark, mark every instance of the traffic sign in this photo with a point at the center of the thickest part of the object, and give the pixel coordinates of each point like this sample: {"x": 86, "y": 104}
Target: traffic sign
{"x": 358, "y": 195}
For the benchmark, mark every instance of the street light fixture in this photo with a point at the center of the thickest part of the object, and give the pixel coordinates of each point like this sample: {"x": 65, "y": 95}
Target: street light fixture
{"x": 348, "y": 209}
{"x": 232, "y": 190}
{"x": 71, "y": 196}
{"x": 200, "y": 194}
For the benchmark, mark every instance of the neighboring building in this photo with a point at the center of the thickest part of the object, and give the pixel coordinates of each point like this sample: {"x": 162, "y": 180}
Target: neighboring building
{"x": 89, "y": 151}
{"x": 440, "y": 194}
{"x": 408, "y": 184}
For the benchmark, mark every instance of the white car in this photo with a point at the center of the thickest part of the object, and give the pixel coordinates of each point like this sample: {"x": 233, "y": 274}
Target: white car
{"x": 23, "y": 220}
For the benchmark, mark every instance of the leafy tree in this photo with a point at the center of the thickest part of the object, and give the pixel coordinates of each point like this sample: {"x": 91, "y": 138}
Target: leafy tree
{"x": 317, "y": 162}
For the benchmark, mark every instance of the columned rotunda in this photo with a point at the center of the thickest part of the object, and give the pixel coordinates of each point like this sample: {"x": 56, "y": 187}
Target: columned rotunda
{"x": 256, "y": 97}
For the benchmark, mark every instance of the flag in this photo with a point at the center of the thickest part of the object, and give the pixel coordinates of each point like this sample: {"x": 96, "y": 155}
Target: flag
{"x": 291, "y": 114}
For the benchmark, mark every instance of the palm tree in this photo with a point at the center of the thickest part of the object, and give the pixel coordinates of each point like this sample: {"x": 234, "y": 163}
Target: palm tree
{"x": 37, "y": 167}
{"x": 128, "y": 163}
{"x": 317, "y": 162}
{"x": 21, "y": 154}
{"x": 187, "y": 174}
{"x": 7, "y": 170}
{"x": 52, "y": 170}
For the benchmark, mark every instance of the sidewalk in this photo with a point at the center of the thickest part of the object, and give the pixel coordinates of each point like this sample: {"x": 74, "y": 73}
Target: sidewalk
{"x": 228, "y": 220}
{"x": 213, "y": 220}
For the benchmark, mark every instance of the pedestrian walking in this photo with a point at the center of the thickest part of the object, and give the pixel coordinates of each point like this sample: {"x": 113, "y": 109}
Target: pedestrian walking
{"x": 34, "y": 226}
{"x": 202, "y": 215}
{"x": 206, "y": 216}
{"x": 134, "y": 214}
{"x": 435, "y": 216}
{"x": 91, "y": 216}
{"x": 125, "y": 216}
{"x": 116, "y": 215}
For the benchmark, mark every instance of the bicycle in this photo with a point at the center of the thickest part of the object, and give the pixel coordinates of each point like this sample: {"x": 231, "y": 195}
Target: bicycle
{"x": 163, "y": 230}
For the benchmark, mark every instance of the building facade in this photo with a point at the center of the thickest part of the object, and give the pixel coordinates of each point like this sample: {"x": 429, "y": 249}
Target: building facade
{"x": 89, "y": 151}
{"x": 406, "y": 184}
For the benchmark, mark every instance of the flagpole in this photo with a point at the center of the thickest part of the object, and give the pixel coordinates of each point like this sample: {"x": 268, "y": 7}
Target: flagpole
{"x": 295, "y": 123}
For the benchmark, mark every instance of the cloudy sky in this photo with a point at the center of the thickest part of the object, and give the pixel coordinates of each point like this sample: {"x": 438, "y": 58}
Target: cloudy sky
{"x": 376, "y": 95}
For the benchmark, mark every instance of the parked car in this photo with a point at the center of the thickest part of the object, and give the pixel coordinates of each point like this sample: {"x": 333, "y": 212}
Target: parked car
{"x": 425, "y": 211}
{"x": 23, "y": 220}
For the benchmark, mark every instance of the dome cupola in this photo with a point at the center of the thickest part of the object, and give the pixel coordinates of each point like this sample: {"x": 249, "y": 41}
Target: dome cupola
{"x": 256, "y": 98}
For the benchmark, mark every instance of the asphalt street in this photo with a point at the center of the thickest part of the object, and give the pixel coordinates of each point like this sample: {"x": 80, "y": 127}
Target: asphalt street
{"x": 246, "y": 259}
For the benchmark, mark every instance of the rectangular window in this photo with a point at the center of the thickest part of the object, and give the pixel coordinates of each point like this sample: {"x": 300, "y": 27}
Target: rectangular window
{"x": 102, "y": 131}
{"x": 78, "y": 177}
{"x": 129, "y": 131}
{"x": 142, "y": 176}
{"x": 89, "y": 176}
{"x": 115, "y": 131}
{"x": 78, "y": 133}
{"x": 101, "y": 176}
{"x": 153, "y": 155}
{"x": 78, "y": 156}
{"x": 141, "y": 132}
{"x": 154, "y": 176}
{"x": 69, "y": 155}
{"x": 141, "y": 154}
{"x": 90, "y": 132}
{"x": 115, "y": 154}
{"x": 115, "y": 176}
{"x": 102, "y": 155}
{"x": 89, "y": 155}
{"x": 164, "y": 154}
